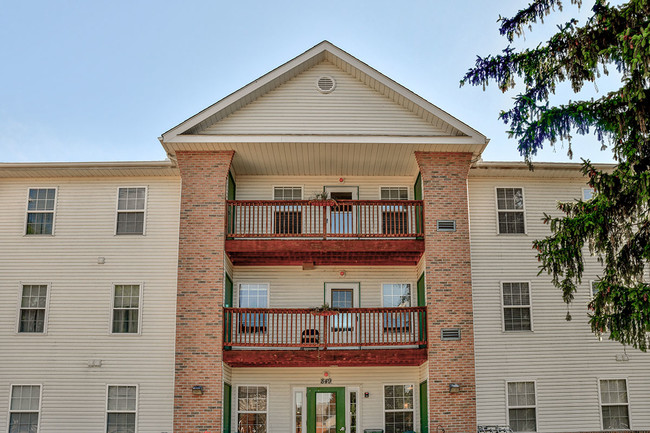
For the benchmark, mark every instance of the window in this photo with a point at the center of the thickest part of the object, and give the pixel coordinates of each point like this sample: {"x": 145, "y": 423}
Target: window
{"x": 121, "y": 409}
{"x": 594, "y": 288}
{"x": 253, "y": 296}
{"x": 24, "y": 409}
{"x": 131, "y": 203}
{"x": 614, "y": 404}
{"x": 394, "y": 217}
{"x": 398, "y": 408}
{"x": 587, "y": 194}
{"x": 126, "y": 309}
{"x": 354, "y": 414}
{"x": 287, "y": 219}
{"x": 522, "y": 410}
{"x": 396, "y": 295}
{"x": 298, "y": 411}
{"x": 251, "y": 409}
{"x": 510, "y": 210}
{"x": 40, "y": 211}
{"x": 516, "y": 307}
{"x": 33, "y": 304}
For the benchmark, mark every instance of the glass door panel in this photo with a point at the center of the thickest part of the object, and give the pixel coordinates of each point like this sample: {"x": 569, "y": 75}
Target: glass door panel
{"x": 325, "y": 410}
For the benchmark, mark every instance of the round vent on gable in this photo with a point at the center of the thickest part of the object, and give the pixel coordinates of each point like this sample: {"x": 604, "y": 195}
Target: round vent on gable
{"x": 325, "y": 84}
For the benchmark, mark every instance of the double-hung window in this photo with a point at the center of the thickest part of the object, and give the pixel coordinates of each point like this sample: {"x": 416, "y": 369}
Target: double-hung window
{"x": 40, "y": 211}
{"x": 252, "y": 409}
{"x": 33, "y": 308}
{"x": 398, "y": 408}
{"x": 614, "y": 404}
{"x": 395, "y": 218}
{"x": 253, "y": 295}
{"x": 121, "y": 408}
{"x": 287, "y": 218}
{"x": 396, "y": 295}
{"x": 594, "y": 288}
{"x": 24, "y": 408}
{"x": 131, "y": 205}
{"x": 126, "y": 309}
{"x": 516, "y": 307}
{"x": 511, "y": 211}
{"x": 522, "y": 406}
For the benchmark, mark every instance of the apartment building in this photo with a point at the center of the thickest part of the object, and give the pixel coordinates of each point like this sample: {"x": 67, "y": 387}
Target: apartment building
{"x": 324, "y": 251}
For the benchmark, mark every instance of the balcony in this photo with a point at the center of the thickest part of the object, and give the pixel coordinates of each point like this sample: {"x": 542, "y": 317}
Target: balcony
{"x": 271, "y": 336}
{"x": 325, "y": 232}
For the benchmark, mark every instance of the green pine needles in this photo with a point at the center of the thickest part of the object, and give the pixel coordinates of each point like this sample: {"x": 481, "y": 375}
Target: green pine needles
{"x": 614, "y": 224}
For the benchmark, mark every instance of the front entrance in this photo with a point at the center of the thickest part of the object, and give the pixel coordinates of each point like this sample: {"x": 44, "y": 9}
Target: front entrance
{"x": 325, "y": 410}
{"x": 342, "y": 217}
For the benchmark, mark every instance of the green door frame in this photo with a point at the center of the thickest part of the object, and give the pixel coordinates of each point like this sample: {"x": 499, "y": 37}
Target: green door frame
{"x": 227, "y": 404}
{"x": 417, "y": 195}
{"x": 422, "y": 302}
{"x": 227, "y": 303}
{"x": 231, "y": 193}
{"x": 311, "y": 406}
{"x": 424, "y": 408}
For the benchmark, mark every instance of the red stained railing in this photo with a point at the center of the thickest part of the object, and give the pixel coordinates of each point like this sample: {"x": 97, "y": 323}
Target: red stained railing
{"x": 303, "y": 328}
{"x": 324, "y": 219}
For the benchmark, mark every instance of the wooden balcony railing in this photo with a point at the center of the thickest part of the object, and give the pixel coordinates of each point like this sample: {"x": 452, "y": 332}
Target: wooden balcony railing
{"x": 303, "y": 328}
{"x": 324, "y": 219}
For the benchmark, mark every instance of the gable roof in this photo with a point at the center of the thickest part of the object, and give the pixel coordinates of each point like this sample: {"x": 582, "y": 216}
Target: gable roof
{"x": 204, "y": 122}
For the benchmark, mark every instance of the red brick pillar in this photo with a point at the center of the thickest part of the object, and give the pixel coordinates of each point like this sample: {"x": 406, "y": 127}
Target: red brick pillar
{"x": 449, "y": 291}
{"x": 199, "y": 318}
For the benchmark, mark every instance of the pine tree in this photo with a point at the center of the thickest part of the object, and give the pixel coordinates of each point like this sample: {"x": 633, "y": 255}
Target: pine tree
{"x": 615, "y": 223}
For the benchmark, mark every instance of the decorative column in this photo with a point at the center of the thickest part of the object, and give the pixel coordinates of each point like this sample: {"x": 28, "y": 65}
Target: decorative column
{"x": 448, "y": 291}
{"x": 199, "y": 302}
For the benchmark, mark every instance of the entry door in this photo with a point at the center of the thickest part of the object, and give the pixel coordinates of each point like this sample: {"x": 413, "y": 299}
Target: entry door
{"x": 342, "y": 218}
{"x": 424, "y": 408}
{"x": 325, "y": 410}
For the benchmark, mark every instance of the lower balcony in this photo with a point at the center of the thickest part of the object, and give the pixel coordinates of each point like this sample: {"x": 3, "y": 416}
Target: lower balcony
{"x": 264, "y": 337}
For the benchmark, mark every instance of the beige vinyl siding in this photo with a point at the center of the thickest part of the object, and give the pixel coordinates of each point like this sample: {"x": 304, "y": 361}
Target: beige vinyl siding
{"x": 291, "y": 287}
{"x": 281, "y": 382}
{"x": 564, "y": 358}
{"x": 353, "y": 108}
{"x": 81, "y": 290}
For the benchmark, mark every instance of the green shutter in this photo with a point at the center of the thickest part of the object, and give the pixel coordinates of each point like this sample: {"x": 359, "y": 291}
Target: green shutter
{"x": 227, "y": 404}
{"x": 424, "y": 408}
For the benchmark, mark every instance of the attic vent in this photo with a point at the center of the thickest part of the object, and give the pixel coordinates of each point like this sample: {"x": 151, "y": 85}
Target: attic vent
{"x": 446, "y": 226}
{"x": 450, "y": 334}
{"x": 326, "y": 84}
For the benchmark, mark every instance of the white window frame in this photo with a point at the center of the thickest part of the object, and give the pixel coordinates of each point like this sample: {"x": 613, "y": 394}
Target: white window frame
{"x": 268, "y": 293}
{"x": 416, "y": 399}
{"x": 408, "y": 191}
{"x": 381, "y": 293}
{"x": 40, "y": 403}
{"x": 591, "y": 191}
{"x": 294, "y": 391}
{"x": 530, "y": 307}
{"x": 592, "y": 295}
{"x": 508, "y": 407}
{"x": 301, "y": 187}
{"x": 600, "y": 402}
{"x": 53, "y": 211}
{"x": 523, "y": 210}
{"x": 137, "y": 404}
{"x": 348, "y": 420}
{"x": 144, "y": 211}
{"x": 112, "y": 314}
{"x": 20, "y": 301}
{"x": 268, "y": 398}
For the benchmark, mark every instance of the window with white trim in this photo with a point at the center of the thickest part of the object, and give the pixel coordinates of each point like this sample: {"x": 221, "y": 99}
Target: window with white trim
{"x": 398, "y": 408}
{"x": 126, "y": 309}
{"x": 298, "y": 400}
{"x": 287, "y": 193}
{"x": 594, "y": 288}
{"x": 40, "y": 211}
{"x": 287, "y": 219}
{"x": 131, "y": 204}
{"x": 516, "y": 307}
{"x": 24, "y": 408}
{"x": 252, "y": 409}
{"x": 587, "y": 194}
{"x": 511, "y": 211}
{"x": 614, "y": 404}
{"x": 396, "y": 295}
{"x": 33, "y": 304}
{"x": 121, "y": 408}
{"x": 253, "y": 295}
{"x": 522, "y": 406}
{"x": 394, "y": 193}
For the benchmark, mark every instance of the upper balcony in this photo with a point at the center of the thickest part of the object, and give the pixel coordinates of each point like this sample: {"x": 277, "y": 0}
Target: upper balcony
{"x": 324, "y": 232}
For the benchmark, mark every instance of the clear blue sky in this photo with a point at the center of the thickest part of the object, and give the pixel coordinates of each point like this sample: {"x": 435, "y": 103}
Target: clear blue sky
{"x": 100, "y": 81}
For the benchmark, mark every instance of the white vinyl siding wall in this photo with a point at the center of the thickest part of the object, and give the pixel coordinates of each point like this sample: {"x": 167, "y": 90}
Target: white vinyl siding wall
{"x": 80, "y": 299}
{"x": 563, "y": 358}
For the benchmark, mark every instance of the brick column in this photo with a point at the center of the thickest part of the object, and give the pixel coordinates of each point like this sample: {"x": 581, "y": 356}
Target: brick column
{"x": 449, "y": 291}
{"x": 199, "y": 318}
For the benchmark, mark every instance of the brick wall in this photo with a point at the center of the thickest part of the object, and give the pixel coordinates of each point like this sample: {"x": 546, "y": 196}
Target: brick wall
{"x": 449, "y": 290}
{"x": 200, "y": 291}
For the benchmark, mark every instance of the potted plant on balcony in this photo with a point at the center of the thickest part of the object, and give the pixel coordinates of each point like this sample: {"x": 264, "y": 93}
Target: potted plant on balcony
{"x": 324, "y": 310}
{"x": 321, "y": 199}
